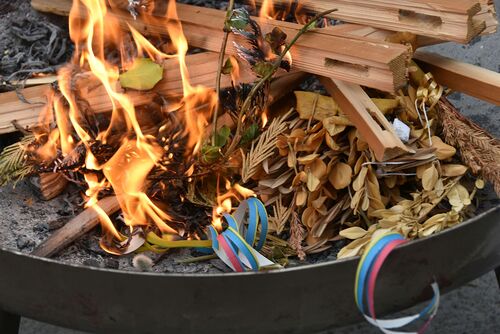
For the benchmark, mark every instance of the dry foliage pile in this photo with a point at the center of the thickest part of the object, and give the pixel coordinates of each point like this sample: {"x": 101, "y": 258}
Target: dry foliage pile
{"x": 198, "y": 155}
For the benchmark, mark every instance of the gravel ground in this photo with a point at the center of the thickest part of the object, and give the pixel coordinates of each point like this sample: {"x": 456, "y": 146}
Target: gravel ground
{"x": 475, "y": 307}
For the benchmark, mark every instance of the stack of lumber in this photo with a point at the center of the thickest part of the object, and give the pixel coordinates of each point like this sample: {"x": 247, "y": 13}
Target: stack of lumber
{"x": 373, "y": 48}
{"x": 449, "y": 20}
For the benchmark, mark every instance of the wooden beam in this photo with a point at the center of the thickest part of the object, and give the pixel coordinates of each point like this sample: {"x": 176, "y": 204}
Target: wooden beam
{"x": 451, "y": 20}
{"x": 352, "y": 29}
{"x": 202, "y": 67}
{"x": 75, "y": 228}
{"x": 466, "y": 78}
{"x": 368, "y": 119}
{"x": 356, "y": 59}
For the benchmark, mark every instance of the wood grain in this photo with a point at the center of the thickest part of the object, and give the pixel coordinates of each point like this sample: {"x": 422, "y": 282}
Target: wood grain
{"x": 355, "y": 59}
{"x": 466, "y": 78}
{"x": 450, "y": 20}
{"x": 368, "y": 119}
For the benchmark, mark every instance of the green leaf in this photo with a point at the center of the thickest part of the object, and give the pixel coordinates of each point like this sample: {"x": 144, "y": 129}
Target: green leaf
{"x": 238, "y": 23}
{"x": 222, "y": 136}
{"x": 228, "y": 67}
{"x": 262, "y": 68}
{"x": 250, "y": 134}
{"x": 210, "y": 154}
{"x": 143, "y": 75}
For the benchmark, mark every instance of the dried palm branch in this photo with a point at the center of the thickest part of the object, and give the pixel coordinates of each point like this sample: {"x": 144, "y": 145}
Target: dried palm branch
{"x": 13, "y": 166}
{"x": 281, "y": 215}
{"x": 478, "y": 149}
{"x": 264, "y": 148}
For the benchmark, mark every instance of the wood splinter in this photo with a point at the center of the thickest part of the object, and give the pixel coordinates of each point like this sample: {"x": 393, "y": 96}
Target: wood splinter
{"x": 365, "y": 115}
{"x": 75, "y": 228}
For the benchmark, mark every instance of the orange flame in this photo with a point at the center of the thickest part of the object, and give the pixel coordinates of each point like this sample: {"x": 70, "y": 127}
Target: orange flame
{"x": 269, "y": 11}
{"x": 225, "y": 201}
{"x": 128, "y": 169}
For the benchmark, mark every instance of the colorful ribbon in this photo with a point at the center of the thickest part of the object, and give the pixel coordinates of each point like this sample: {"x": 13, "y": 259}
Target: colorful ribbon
{"x": 237, "y": 246}
{"x": 364, "y": 289}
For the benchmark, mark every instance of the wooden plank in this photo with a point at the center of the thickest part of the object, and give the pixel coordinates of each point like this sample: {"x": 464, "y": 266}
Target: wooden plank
{"x": 203, "y": 69}
{"x": 75, "y": 228}
{"x": 451, "y": 20}
{"x": 351, "y": 29}
{"x": 355, "y": 59}
{"x": 202, "y": 66}
{"x": 368, "y": 119}
{"x": 469, "y": 79}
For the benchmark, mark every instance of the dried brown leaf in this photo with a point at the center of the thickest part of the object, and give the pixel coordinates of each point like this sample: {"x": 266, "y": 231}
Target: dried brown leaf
{"x": 429, "y": 178}
{"x": 341, "y": 175}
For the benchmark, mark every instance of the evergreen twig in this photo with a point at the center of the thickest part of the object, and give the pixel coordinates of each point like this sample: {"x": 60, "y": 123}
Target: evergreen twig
{"x": 248, "y": 101}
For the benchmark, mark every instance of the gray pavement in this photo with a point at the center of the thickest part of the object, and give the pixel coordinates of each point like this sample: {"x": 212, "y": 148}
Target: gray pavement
{"x": 474, "y": 308}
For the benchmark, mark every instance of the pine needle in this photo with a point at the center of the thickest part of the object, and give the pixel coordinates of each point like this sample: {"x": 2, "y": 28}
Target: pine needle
{"x": 478, "y": 149}
{"x": 264, "y": 148}
{"x": 13, "y": 167}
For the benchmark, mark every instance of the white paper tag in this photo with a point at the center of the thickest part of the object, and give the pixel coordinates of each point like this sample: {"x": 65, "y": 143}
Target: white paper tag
{"x": 402, "y": 130}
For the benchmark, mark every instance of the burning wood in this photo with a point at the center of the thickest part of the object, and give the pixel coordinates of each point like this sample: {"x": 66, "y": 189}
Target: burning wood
{"x": 75, "y": 228}
{"x": 136, "y": 124}
{"x": 204, "y": 66}
{"x": 379, "y": 64}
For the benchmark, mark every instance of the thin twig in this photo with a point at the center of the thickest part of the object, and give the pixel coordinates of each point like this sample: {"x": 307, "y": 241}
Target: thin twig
{"x": 220, "y": 66}
{"x": 248, "y": 101}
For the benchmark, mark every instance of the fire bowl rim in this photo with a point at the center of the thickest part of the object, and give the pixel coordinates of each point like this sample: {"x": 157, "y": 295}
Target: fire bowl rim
{"x": 270, "y": 272}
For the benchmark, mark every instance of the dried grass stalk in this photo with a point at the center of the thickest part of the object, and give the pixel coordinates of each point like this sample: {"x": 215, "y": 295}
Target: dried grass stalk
{"x": 297, "y": 235}
{"x": 478, "y": 149}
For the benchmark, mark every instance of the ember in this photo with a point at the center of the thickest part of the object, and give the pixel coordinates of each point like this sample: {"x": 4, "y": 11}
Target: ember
{"x": 135, "y": 122}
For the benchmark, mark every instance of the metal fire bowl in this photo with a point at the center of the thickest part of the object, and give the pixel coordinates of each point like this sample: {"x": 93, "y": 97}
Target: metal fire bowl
{"x": 298, "y": 300}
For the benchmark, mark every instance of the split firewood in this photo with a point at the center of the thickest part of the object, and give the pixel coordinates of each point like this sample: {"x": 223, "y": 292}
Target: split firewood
{"x": 75, "y": 228}
{"x": 49, "y": 185}
{"x": 469, "y": 79}
{"x": 368, "y": 119}
{"x": 355, "y": 59}
{"x": 450, "y": 20}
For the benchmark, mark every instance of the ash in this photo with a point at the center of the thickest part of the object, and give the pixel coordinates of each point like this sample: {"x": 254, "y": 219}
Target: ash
{"x": 30, "y": 42}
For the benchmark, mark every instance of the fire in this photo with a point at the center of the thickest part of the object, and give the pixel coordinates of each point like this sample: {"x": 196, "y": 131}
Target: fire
{"x": 225, "y": 201}
{"x": 94, "y": 31}
{"x": 268, "y": 10}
